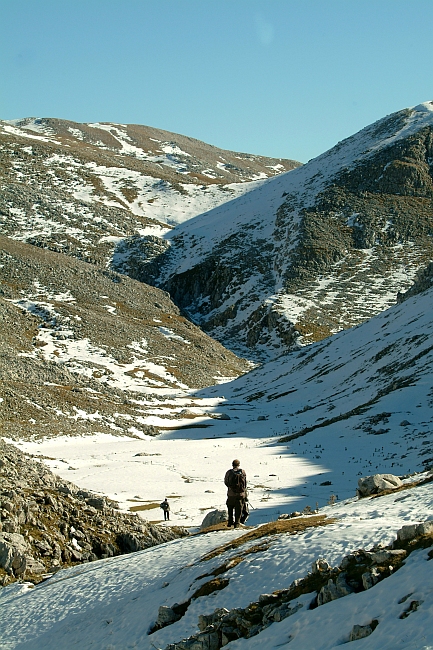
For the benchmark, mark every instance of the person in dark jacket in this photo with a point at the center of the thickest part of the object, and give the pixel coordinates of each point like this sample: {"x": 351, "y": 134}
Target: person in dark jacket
{"x": 236, "y": 481}
{"x": 166, "y": 508}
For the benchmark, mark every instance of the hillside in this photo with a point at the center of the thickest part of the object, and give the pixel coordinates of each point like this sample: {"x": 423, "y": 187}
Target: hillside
{"x": 107, "y": 385}
{"x": 81, "y": 188}
{"x": 86, "y": 349}
{"x": 310, "y": 252}
{"x": 306, "y": 426}
{"x": 259, "y": 587}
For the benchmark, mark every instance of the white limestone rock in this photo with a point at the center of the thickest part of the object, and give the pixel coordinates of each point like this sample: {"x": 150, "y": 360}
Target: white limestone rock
{"x": 368, "y": 485}
{"x": 213, "y": 518}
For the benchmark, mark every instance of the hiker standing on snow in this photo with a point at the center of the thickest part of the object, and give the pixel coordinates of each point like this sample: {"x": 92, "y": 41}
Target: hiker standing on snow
{"x": 236, "y": 481}
{"x": 166, "y": 508}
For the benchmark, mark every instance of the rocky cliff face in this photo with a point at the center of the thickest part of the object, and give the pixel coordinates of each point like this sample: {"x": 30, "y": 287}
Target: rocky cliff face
{"x": 47, "y": 523}
{"x": 422, "y": 282}
{"x": 314, "y": 251}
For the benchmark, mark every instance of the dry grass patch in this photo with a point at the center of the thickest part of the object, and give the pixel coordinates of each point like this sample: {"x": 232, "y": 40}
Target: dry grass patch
{"x": 290, "y": 526}
{"x": 145, "y": 506}
{"x": 215, "y": 527}
{"x": 210, "y": 587}
{"x": 234, "y": 561}
{"x": 130, "y": 193}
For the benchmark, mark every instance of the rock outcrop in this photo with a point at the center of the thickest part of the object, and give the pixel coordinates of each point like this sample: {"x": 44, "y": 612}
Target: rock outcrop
{"x": 362, "y": 631}
{"x": 47, "y": 523}
{"x": 422, "y": 282}
{"x": 357, "y": 572}
{"x": 213, "y": 518}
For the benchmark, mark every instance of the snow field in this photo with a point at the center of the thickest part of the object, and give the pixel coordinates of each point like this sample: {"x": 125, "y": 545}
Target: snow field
{"x": 189, "y": 470}
{"x": 112, "y": 603}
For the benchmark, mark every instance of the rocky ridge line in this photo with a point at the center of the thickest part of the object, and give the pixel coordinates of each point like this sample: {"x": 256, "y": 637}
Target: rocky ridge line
{"x": 331, "y": 245}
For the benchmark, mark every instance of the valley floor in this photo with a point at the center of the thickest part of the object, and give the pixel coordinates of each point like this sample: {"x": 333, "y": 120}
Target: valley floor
{"x": 305, "y": 426}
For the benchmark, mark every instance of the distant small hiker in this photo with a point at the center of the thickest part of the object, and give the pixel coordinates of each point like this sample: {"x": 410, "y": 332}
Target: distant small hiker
{"x": 166, "y": 508}
{"x": 236, "y": 481}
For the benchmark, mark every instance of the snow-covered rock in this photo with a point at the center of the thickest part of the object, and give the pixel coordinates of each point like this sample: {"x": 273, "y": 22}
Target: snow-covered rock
{"x": 369, "y": 485}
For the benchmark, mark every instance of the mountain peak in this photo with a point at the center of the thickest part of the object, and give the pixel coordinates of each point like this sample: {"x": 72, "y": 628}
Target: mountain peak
{"x": 313, "y": 251}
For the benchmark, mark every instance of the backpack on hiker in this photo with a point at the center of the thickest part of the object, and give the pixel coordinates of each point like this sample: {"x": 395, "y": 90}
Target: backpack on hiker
{"x": 237, "y": 481}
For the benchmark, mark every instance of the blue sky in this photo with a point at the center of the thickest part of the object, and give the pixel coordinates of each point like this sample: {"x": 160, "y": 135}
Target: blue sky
{"x": 284, "y": 78}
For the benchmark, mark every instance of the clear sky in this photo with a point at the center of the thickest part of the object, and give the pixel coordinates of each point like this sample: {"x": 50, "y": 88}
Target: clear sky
{"x": 284, "y": 78}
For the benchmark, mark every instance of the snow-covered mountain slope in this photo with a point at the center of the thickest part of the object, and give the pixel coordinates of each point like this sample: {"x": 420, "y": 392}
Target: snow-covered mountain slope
{"x": 305, "y": 426}
{"x": 86, "y": 348}
{"x": 114, "y": 603}
{"x": 310, "y": 252}
{"x": 80, "y": 188}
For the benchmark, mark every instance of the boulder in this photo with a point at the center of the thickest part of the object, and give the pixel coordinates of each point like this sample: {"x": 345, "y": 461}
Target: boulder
{"x": 99, "y": 503}
{"x": 213, "y": 518}
{"x": 386, "y": 556}
{"x": 411, "y": 531}
{"x": 204, "y": 620}
{"x": 362, "y": 631}
{"x": 369, "y": 485}
{"x": 370, "y": 578}
{"x": 13, "y": 548}
{"x": 218, "y": 416}
{"x": 166, "y": 616}
{"x": 280, "y": 613}
{"x": 15, "y": 556}
{"x": 333, "y": 591}
{"x": 31, "y": 566}
{"x": 320, "y": 566}
{"x": 206, "y": 641}
{"x": 425, "y": 528}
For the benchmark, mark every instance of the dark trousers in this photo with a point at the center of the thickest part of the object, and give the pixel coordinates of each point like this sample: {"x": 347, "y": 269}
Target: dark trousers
{"x": 234, "y": 504}
{"x": 166, "y": 515}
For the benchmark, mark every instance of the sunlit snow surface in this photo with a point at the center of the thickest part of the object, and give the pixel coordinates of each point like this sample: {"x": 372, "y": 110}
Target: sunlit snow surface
{"x": 360, "y": 400}
{"x": 113, "y": 603}
{"x": 377, "y": 379}
{"x": 188, "y": 469}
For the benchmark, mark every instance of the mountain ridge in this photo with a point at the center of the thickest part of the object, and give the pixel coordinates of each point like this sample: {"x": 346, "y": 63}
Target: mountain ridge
{"x": 328, "y": 244}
